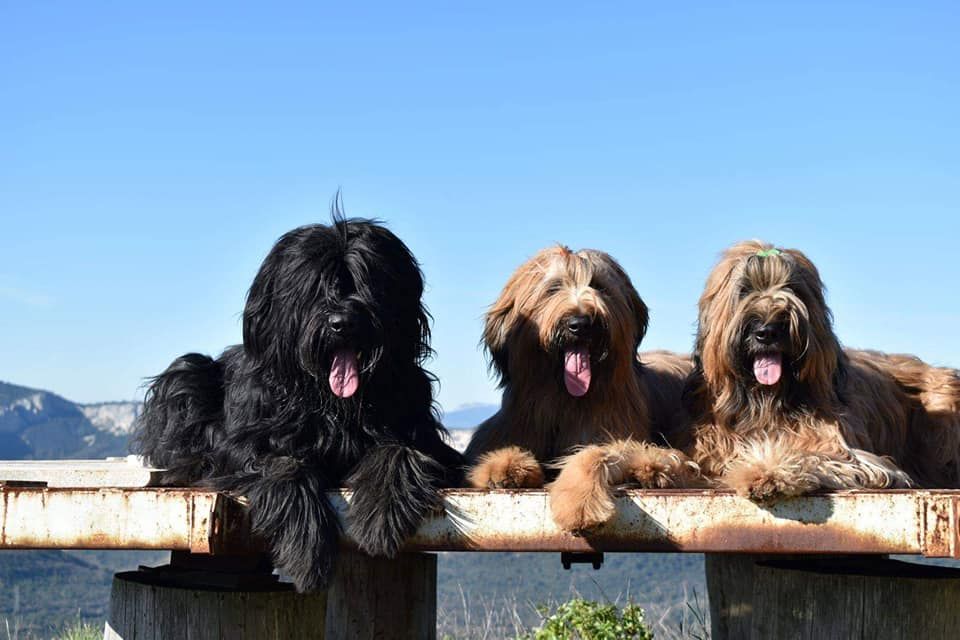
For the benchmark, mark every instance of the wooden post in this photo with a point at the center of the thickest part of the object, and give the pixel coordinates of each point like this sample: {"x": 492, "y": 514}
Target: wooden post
{"x": 203, "y": 597}
{"x": 831, "y": 597}
{"x": 730, "y": 591}
{"x": 730, "y": 588}
{"x": 383, "y": 599}
{"x": 881, "y": 599}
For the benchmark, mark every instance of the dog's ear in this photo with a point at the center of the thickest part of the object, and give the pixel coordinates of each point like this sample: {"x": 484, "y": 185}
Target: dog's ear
{"x": 824, "y": 363}
{"x": 840, "y": 378}
{"x": 258, "y": 312}
{"x": 636, "y": 307}
{"x": 641, "y": 316}
{"x": 496, "y": 331}
{"x": 256, "y": 317}
{"x": 694, "y": 391}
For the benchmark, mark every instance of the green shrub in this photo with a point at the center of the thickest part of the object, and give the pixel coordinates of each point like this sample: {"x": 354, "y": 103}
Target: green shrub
{"x": 81, "y": 631}
{"x": 587, "y": 620}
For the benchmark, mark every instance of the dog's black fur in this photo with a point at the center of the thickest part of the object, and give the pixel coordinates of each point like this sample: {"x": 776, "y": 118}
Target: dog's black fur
{"x": 263, "y": 421}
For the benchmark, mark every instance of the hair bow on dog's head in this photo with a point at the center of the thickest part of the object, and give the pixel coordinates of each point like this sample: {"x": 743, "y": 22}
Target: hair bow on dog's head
{"x": 766, "y": 253}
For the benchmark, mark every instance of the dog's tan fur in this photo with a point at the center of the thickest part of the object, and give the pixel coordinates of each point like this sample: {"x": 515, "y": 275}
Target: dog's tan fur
{"x": 539, "y": 422}
{"x": 839, "y": 418}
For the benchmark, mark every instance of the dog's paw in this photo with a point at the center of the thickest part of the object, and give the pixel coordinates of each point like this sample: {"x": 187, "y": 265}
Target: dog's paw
{"x": 652, "y": 474}
{"x": 766, "y": 485}
{"x": 507, "y": 468}
{"x": 312, "y": 575}
{"x": 580, "y": 498}
{"x": 378, "y": 533}
{"x": 652, "y": 467}
{"x": 394, "y": 489}
{"x": 579, "y": 508}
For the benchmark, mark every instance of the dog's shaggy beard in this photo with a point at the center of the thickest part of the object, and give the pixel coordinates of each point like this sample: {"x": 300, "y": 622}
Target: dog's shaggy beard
{"x": 327, "y": 390}
{"x": 319, "y": 355}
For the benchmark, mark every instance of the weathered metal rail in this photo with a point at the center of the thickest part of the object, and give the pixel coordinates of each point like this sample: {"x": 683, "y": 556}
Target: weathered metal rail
{"x": 875, "y": 522}
{"x": 175, "y": 519}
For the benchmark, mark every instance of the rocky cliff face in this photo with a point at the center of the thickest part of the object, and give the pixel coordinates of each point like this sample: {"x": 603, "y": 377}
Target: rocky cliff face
{"x": 37, "y": 424}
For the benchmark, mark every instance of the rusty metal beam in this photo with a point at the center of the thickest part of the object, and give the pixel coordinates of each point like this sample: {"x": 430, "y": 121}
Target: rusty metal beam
{"x": 175, "y": 519}
{"x": 903, "y": 522}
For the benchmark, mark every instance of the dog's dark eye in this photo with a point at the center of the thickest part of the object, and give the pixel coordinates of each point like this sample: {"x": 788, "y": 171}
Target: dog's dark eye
{"x": 599, "y": 288}
{"x": 554, "y": 286}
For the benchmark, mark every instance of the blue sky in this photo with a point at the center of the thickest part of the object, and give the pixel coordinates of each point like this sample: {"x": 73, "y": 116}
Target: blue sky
{"x": 150, "y": 154}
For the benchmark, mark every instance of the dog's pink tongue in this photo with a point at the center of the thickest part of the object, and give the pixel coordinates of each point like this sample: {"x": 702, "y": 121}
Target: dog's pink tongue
{"x": 344, "y": 373}
{"x": 576, "y": 370}
{"x": 767, "y": 368}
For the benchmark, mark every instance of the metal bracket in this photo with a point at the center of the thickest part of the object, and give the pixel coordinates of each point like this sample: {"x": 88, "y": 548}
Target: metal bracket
{"x": 568, "y": 558}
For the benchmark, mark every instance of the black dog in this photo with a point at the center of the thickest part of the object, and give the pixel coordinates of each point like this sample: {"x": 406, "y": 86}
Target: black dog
{"x": 327, "y": 390}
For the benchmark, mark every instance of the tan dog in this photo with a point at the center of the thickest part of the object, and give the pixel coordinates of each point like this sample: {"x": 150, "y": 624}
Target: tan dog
{"x": 563, "y": 339}
{"x": 778, "y": 408}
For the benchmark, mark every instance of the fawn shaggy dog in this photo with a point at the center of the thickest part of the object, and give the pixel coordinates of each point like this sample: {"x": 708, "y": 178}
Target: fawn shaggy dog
{"x": 778, "y": 408}
{"x": 563, "y": 339}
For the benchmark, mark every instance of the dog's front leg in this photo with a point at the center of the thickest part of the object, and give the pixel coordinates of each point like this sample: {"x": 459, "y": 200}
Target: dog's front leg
{"x": 394, "y": 487}
{"x": 290, "y": 510}
{"x": 768, "y": 471}
{"x": 859, "y": 469}
{"x": 582, "y": 495}
{"x": 776, "y": 468}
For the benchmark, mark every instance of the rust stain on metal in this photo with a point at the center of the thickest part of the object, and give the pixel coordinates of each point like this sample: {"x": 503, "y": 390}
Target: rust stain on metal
{"x": 939, "y": 535}
{"x": 6, "y": 510}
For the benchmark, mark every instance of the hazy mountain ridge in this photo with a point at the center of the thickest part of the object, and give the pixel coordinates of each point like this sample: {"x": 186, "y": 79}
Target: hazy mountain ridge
{"x": 38, "y": 424}
{"x": 469, "y": 416}
{"x": 116, "y": 418}
{"x": 35, "y": 424}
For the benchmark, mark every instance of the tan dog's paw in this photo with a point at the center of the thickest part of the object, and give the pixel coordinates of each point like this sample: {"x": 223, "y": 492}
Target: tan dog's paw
{"x": 580, "y": 498}
{"x": 652, "y": 467}
{"x": 766, "y": 485}
{"x": 574, "y": 511}
{"x": 507, "y": 468}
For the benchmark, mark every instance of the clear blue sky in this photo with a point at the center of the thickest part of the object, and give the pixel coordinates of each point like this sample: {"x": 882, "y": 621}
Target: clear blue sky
{"x": 150, "y": 154}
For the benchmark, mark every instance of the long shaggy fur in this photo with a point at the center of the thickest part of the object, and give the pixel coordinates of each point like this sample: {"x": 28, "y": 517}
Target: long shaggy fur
{"x": 558, "y": 301}
{"x": 268, "y": 420}
{"x": 836, "y": 418}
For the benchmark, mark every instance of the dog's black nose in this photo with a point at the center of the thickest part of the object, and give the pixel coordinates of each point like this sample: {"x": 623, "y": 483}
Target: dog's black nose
{"x": 339, "y": 322}
{"x": 767, "y": 333}
{"x": 578, "y": 325}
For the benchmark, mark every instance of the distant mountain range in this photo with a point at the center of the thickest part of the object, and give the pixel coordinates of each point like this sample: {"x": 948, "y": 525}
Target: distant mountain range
{"x": 468, "y": 416}
{"x": 37, "y": 424}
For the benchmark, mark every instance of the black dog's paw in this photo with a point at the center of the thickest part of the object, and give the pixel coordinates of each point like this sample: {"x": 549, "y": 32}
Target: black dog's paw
{"x": 381, "y": 530}
{"x": 310, "y": 570}
{"x": 394, "y": 488}
{"x": 290, "y": 510}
